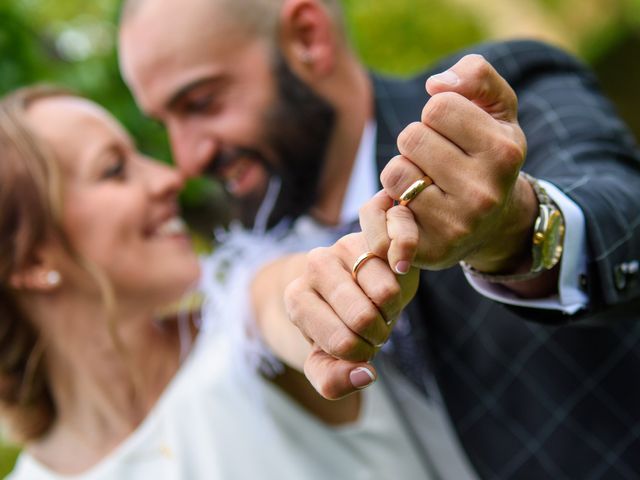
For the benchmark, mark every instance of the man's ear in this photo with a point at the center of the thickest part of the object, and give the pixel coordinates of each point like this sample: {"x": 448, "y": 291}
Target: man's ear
{"x": 308, "y": 38}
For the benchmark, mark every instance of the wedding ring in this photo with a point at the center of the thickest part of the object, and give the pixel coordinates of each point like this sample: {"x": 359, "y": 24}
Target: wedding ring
{"x": 361, "y": 260}
{"x": 414, "y": 189}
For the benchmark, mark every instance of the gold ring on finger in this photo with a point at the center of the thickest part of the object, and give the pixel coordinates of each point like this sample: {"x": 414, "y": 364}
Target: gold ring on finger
{"x": 360, "y": 261}
{"x": 414, "y": 190}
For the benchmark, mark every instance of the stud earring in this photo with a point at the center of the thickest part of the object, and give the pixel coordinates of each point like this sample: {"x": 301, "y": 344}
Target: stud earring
{"x": 53, "y": 278}
{"x": 306, "y": 57}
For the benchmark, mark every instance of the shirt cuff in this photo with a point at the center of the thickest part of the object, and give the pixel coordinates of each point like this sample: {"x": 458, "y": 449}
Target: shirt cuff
{"x": 573, "y": 264}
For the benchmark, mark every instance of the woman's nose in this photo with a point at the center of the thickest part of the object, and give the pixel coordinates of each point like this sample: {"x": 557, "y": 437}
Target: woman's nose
{"x": 164, "y": 179}
{"x": 192, "y": 151}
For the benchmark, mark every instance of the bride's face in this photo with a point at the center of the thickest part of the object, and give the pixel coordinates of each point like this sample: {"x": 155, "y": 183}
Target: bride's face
{"x": 120, "y": 208}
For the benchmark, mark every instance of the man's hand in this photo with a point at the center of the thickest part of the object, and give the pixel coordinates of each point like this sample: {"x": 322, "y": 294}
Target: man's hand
{"x": 346, "y": 321}
{"x": 470, "y": 144}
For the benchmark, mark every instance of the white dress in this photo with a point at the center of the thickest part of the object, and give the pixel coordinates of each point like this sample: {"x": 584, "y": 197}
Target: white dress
{"x": 207, "y": 425}
{"x": 218, "y": 421}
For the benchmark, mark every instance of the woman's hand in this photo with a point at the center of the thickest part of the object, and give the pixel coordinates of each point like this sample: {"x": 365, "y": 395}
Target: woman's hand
{"x": 346, "y": 319}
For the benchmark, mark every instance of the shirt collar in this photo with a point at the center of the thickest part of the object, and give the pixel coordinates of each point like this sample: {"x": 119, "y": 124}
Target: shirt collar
{"x": 363, "y": 181}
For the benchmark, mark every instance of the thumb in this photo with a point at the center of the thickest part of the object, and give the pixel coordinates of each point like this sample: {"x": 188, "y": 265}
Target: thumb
{"x": 475, "y": 79}
{"x": 334, "y": 378}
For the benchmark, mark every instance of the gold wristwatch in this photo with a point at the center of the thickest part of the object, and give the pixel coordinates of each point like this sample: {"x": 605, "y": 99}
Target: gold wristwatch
{"x": 547, "y": 242}
{"x": 548, "y": 230}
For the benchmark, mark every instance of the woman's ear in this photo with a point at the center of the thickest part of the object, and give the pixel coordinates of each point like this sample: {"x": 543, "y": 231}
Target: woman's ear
{"x": 308, "y": 38}
{"x": 38, "y": 275}
{"x": 36, "y": 279}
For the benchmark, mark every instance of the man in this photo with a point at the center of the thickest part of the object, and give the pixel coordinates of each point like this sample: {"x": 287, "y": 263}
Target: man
{"x": 268, "y": 96}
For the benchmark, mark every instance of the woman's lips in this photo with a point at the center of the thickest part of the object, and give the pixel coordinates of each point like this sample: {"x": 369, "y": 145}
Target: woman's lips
{"x": 171, "y": 227}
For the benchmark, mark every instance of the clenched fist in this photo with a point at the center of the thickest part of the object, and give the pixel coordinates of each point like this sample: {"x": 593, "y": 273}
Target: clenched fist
{"x": 347, "y": 320}
{"x": 478, "y": 209}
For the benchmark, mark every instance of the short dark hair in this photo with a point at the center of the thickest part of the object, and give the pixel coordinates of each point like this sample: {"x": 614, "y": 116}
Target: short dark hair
{"x": 259, "y": 17}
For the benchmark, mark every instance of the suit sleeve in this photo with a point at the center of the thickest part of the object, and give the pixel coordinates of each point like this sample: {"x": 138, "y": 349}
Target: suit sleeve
{"x": 577, "y": 142}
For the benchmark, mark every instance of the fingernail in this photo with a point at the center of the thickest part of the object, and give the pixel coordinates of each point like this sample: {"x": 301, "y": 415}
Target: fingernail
{"x": 381, "y": 193}
{"x": 403, "y": 267}
{"x": 361, "y": 377}
{"x": 448, "y": 77}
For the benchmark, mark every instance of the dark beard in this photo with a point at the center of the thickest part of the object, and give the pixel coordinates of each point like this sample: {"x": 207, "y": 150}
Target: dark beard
{"x": 297, "y": 130}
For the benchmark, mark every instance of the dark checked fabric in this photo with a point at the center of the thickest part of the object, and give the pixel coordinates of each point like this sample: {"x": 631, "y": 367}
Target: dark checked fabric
{"x": 534, "y": 394}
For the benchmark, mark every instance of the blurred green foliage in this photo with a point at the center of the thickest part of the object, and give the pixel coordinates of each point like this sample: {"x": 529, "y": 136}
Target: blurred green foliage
{"x": 72, "y": 42}
{"x": 403, "y": 36}
{"x": 8, "y": 454}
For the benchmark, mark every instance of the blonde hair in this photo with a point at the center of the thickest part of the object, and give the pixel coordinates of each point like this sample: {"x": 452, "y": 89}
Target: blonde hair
{"x": 30, "y": 203}
{"x": 31, "y": 213}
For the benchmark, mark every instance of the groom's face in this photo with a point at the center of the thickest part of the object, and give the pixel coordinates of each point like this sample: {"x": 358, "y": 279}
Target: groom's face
{"x": 231, "y": 105}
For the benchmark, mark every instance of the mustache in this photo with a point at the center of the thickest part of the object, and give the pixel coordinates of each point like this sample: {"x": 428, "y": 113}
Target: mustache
{"x": 227, "y": 156}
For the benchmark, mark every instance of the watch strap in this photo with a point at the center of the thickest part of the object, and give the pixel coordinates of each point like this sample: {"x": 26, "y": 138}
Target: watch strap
{"x": 548, "y": 212}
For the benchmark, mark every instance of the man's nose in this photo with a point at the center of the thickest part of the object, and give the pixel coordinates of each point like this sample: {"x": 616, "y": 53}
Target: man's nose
{"x": 192, "y": 153}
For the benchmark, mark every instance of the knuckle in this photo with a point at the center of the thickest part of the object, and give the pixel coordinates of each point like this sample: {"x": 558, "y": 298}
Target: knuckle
{"x": 363, "y": 318}
{"x": 484, "y": 88}
{"x": 438, "y": 107}
{"x": 403, "y": 220}
{"x": 510, "y": 152}
{"x": 394, "y": 178}
{"x": 411, "y": 138}
{"x": 478, "y": 65}
{"x": 315, "y": 255}
{"x": 386, "y": 293}
{"x": 327, "y": 388}
{"x": 346, "y": 244}
{"x": 291, "y": 292}
{"x": 511, "y": 97}
{"x": 402, "y": 213}
{"x": 521, "y": 140}
{"x": 317, "y": 260}
{"x": 343, "y": 345}
{"x": 435, "y": 109}
{"x": 339, "y": 292}
{"x": 407, "y": 243}
{"x": 378, "y": 243}
{"x": 296, "y": 317}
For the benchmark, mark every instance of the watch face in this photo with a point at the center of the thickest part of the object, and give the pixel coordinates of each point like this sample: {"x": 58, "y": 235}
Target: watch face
{"x": 554, "y": 237}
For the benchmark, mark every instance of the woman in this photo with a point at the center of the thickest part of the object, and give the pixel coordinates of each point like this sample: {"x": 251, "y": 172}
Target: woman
{"x": 92, "y": 383}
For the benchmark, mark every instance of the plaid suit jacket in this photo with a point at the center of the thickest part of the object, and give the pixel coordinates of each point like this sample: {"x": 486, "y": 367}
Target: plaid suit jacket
{"x": 536, "y": 394}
